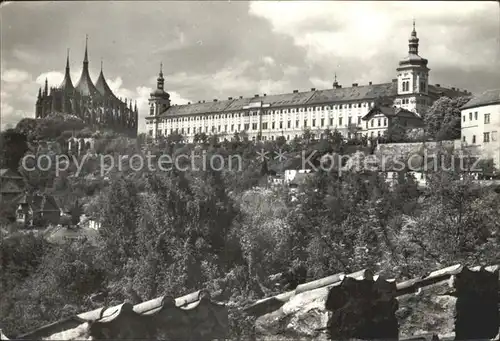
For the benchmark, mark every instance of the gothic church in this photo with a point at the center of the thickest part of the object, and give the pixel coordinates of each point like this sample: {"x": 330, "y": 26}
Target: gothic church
{"x": 94, "y": 104}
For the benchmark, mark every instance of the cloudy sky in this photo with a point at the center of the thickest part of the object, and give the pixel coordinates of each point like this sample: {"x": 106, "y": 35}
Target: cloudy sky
{"x": 235, "y": 48}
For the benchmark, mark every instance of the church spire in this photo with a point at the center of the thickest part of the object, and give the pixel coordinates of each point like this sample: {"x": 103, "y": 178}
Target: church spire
{"x": 67, "y": 83}
{"x": 85, "y": 86}
{"x": 160, "y": 81}
{"x": 86, "y": 56}
{"x": 413, "y": 41}
{"x": 46, "y": 90}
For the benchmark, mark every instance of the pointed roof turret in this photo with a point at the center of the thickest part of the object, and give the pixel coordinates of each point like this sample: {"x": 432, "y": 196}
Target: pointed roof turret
{"x": 102, "y": 86}
{"x": 85, "y": 86}
{"x": 40, "y": 92}
{"x": 67, "y": 84}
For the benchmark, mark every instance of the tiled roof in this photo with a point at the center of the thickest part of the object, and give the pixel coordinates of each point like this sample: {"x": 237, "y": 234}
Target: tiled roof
{"x": 390, "y": 112}
{"x": 289, "y": 99}
{"x": 103, "y": 88}
{"x": 10, "y": 187}
{"x": 9, "y": 173}
{"x": 39, "y": 202}
{"x": 486, "y": 98}
{"x": 357, "y": 93}
{"x": 316, "y": 97}
{"x": 438, "y": 91}
{"x": 191, "y": 317}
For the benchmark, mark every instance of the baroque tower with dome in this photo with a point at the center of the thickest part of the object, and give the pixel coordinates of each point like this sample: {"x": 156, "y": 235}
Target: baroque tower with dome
{"x": 95, "y": 104}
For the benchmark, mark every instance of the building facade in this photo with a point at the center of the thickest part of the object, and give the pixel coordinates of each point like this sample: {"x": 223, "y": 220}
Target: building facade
{"x": 266, "y": 117}
{"x": 481, "y": 124}
{"x": 95, "y": 104}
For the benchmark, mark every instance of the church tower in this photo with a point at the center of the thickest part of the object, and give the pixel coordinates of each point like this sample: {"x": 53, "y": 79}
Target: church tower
{"x": 159, "y": 100}
{"x": 413, "y": 79}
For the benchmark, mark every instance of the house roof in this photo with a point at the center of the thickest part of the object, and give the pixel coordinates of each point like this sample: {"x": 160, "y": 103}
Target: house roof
{"x": 9, "y": 174}
{"x": 316, "y": 97}
{"x": 390, "y": 112}
{"x": 10, "y": 187}
{"x": 39, "y": 202}
{"x": 488, "y": 97}
{"x": 194, "y": 316}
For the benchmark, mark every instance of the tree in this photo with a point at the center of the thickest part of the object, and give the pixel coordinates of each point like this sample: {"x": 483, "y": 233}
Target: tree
{"x": 443, "y": 118}
{"x": 13, "y": 146}
{"x": 396, "y": 131}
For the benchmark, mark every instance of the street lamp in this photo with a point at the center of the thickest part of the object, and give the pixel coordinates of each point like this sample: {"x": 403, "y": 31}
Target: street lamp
{"x": 259, "y": 105}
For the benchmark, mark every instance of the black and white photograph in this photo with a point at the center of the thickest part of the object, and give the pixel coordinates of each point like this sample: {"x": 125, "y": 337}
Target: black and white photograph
{"x": 250, "y": 170}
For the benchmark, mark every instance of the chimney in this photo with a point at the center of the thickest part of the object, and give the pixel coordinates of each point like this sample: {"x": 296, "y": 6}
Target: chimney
{"x": 452, "y": 88}
{"x": 189, "y": 102}
{"x": 199, "y": 101}
{"x": 241, "y": 97}
{"x": 265, "y": 95}
{"x": 339, "y": 86}
{"x": 203, "y": 101}
{"x": 370, "y": 83}
{"x": 229, "y": 98}
{"x": 394, "y": 80}
{"x": 295, "y": 91}
{"x": 313, "y": 89}
{"x": 215, "y": 99}
{"x": 354, "y": 84}
{"x": 256, "y": 96}
{"x": 438, "y": 85}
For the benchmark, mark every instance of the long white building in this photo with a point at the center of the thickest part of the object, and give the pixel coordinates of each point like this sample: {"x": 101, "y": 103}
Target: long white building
{"x": 267, "y": 117}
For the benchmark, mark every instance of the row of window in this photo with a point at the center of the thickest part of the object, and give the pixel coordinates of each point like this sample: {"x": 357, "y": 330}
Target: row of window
{"x": 487, "y": 137}
{"x": 379, "y": 122}
{"x": 278, "y": 111}
{"x": 486, "y": 117}
{"x": 280, "y": 125}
